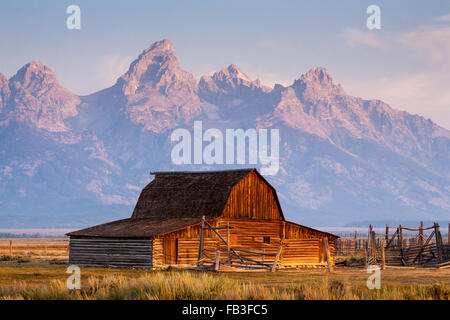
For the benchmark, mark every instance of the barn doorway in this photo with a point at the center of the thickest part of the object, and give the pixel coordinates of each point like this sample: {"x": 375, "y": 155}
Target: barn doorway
{"x": 170, "y": 249}
{"x": 322, "y": 254}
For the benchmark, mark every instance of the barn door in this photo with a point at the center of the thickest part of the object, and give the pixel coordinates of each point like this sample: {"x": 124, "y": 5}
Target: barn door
{"x": 322, "y": 254}
{"x": 170, "y": 248}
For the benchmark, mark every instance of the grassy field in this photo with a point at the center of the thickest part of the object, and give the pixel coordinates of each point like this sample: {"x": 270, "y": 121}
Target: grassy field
{"x": 36, "y": 269}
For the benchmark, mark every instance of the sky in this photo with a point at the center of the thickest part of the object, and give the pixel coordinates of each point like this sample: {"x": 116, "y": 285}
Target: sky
{"x": 404, "y": 63}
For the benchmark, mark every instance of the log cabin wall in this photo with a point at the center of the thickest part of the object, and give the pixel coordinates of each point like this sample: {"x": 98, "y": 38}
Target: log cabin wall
{"x": 252, "y": 198}
{"x": 188, "y": 240}
{"x": 111, "y": 252}
{"x": 250, "y": 234}
{"x": 304, "y": 246}
{"x": 300, "y": 245}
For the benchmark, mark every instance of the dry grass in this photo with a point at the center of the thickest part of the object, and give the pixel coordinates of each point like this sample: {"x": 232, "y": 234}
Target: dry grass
{"x": 24, "y": 250}
{"x": 97, "y": 283}
{"x": 32, "y": 272}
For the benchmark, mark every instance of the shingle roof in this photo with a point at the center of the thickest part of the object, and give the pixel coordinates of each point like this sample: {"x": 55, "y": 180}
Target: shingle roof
{"x": 187, "y": 194}
{"x": 136, "y": 227}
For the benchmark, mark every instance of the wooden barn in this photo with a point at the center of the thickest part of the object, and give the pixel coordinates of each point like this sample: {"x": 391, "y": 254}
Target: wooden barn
{"x": 200, "y": 219}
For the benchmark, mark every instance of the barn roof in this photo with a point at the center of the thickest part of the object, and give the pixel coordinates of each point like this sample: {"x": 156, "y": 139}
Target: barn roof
{"x": 136, "y": 227}
{"x": 189, "y": 194}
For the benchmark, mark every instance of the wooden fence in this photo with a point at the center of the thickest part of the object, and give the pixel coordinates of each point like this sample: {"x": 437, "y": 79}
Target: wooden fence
{"x": 233, "y": 257}
{"x": 392, "y": 248}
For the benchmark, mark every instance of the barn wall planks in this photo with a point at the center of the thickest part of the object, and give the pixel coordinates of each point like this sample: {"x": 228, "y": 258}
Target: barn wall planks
{"x": 300, "y": 245}
{"x": 249, "y": 234}
{"x": 252, "y": 198}
{"x": 111, "y": 252}
{"x": 305, "y": 252}
{"x": 188, "y": 240}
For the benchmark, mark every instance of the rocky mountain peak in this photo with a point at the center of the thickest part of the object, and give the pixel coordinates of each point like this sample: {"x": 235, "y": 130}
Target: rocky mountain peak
{"x": 38, "y": 98}
{"x": 316, "y": 84}
{"x": 34, "y": 77}
{"x": 233, "y": 72}
{"x": 318, "y": 75}
{"x": 157, "y": 67}
{"x": 229, "y": 81}
{"x": 158, "y": 94}
{"x": 162, "y": 45}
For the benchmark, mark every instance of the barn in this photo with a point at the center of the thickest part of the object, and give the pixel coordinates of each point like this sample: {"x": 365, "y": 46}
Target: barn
{"x": 230, "y": 217}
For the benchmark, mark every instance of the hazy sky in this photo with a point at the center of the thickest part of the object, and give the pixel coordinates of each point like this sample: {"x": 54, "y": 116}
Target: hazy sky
{"x": 406, "y": 63}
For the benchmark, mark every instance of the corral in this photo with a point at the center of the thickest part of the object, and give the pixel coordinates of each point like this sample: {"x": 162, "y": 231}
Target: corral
{"x": 423, "y": 247}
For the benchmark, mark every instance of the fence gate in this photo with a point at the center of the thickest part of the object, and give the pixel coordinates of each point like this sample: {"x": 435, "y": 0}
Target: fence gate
{"x": 232, "y": 257}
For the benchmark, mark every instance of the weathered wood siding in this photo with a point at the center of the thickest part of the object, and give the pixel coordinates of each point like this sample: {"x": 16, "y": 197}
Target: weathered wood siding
{"x": 298, "y": 252}
{"x": 304, "y": 246}
{"x": 188, "y": 240}
{"x": 252, "y": 198}
{"x": 111, "y": 252}
{"x": 254, "y": 235}
{"x": 300, "y": 245}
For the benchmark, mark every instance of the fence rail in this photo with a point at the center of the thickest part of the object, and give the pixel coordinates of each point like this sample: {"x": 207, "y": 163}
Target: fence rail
{"x": 232, "y": 257}
{"x": 396, "y": 250}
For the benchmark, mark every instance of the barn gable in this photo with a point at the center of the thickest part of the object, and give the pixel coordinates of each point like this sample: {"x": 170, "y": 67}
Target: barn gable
{"x": 253, "y": 198}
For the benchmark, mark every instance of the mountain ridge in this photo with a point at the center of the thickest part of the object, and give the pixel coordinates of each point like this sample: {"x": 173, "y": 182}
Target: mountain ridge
{"x": 342, "y": 158}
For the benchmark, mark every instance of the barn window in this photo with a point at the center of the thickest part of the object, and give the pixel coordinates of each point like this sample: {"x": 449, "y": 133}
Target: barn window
{"x": 266, "y": 239}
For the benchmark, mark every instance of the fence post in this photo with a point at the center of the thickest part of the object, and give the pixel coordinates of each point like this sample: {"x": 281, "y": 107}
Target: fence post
{"x": 400, "y": 238}
{"x": 386, "y": 237}
{"x": 438, "y": 242}
{"x": 10, "y": 247}
{"x": 374, "y": 248}
{"x": 228, "y": 243}
{"x": 366, "y": 251}
{"x": 327, "y": 252}
{"x": 383, "y": 257}
{"x": 276, "y": 259}
{"x": 217, "y": 262}
{"x": 200, "y": 246}
{"x": 420, "y": 241}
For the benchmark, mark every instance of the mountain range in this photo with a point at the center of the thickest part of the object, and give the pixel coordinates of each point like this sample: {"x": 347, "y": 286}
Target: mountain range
{"x": 72, "y": 161}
